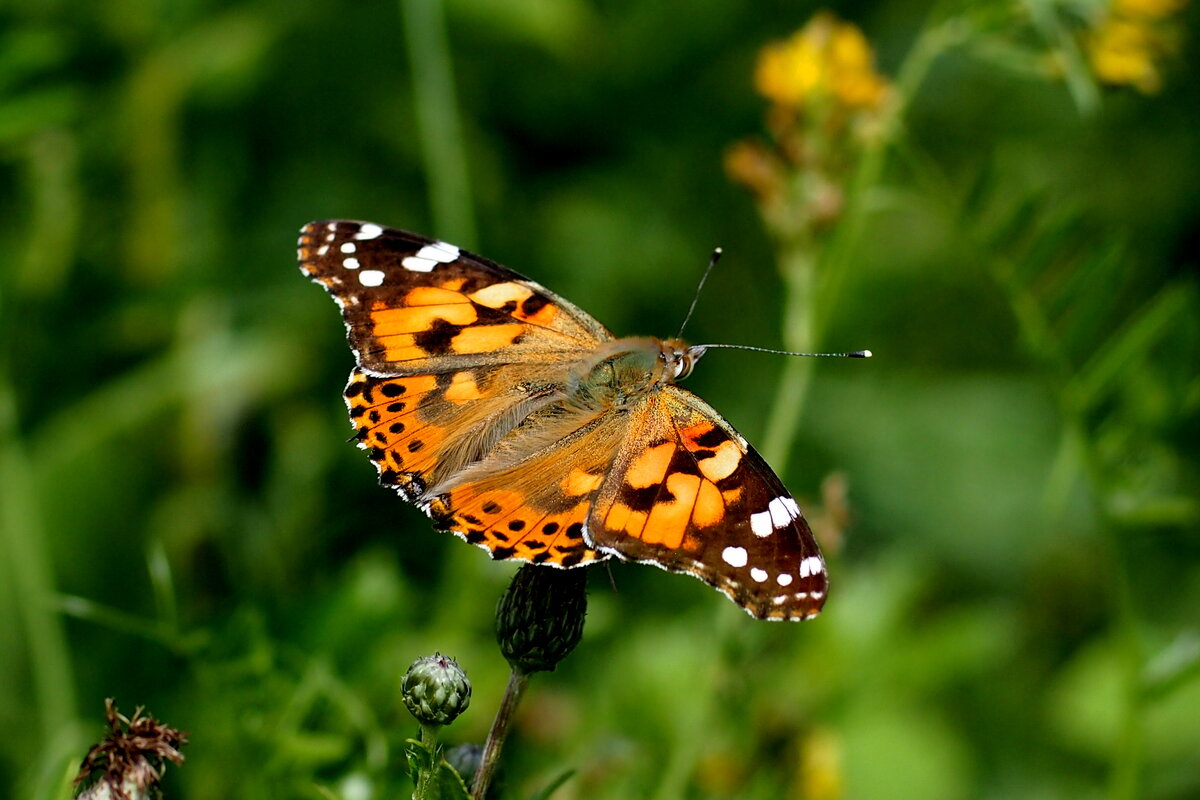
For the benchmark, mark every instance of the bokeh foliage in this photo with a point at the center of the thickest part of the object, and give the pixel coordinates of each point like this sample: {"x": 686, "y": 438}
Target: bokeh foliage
{"x": 1015, "y": 561}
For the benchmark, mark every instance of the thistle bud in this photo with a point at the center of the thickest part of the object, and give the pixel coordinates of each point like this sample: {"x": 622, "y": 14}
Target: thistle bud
{"x": 436, "y": 690}
{"x": 539, "y": 619}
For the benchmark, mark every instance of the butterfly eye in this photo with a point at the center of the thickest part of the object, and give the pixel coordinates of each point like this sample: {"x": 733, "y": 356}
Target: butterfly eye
{"x": 683, "y": 365}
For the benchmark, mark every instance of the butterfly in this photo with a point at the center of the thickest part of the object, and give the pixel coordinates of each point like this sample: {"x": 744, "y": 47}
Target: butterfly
{"x": 516, "y": 421}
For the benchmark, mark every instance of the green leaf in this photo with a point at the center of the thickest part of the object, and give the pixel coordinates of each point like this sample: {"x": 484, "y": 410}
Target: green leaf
{"x": 1130, "y": 345}
{"x": 435, "y": 779}
{"x": 553, "y": 786}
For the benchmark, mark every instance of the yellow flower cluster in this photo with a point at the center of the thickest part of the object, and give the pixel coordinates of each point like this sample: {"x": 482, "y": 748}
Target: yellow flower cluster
{"x": 827, "y": 105}
{"x": 824, "y": 59}
{"x": 1130, "y": 41}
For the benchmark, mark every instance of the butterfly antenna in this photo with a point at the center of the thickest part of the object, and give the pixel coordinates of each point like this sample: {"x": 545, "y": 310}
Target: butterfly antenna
{"x": 854, "y": 354}
{"x": 712, "y": 262}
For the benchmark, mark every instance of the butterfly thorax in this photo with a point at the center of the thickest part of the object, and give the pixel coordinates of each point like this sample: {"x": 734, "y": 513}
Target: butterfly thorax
{"x": 620, "y": 372}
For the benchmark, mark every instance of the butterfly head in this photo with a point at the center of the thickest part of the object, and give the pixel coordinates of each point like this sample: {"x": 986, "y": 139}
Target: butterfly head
{"x": 680, "y": 358}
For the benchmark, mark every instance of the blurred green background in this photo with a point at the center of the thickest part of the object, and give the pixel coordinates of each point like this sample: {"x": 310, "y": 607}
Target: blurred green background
{"x": 1015, "y": 560}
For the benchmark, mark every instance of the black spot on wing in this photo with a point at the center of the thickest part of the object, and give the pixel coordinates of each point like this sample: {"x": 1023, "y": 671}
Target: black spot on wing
{"x": 644, "y": 499}
{"x": 533, "y": 304}
{"x": 436, "y": 340}
{"x": 711, "y": 438}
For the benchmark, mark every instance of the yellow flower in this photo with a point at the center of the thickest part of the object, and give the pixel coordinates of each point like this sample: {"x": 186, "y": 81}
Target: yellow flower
{"x": 1124, "y": 52}
{"x": 1147, "y": 9}
{"x": 1129, "y": 41}
{"x": 824, "y": 59}
{"x": 822, "y": 776}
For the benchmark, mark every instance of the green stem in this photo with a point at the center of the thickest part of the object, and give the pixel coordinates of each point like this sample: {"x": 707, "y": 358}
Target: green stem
{"x": 798, "y": 263}
{"x": 517, "y": 682}
{"x": 1126, "y": 768}
{"x": 438, "y": 123}
{"x": 426, "y": 778}
{"x": 23, "y": 552}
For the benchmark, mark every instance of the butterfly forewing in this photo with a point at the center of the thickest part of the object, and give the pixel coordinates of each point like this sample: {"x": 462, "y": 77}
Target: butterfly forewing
{"x": 476, "y": 395}
{"x": 415, "y": 305}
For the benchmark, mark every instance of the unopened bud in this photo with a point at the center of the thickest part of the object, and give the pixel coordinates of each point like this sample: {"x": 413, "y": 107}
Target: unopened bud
{"x": 539, "y": 619}
{"x": 436, "y": 690}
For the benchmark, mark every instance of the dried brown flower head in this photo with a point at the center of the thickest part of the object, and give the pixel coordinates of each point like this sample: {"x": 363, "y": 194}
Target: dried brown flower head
{"x": 130, "y": 761}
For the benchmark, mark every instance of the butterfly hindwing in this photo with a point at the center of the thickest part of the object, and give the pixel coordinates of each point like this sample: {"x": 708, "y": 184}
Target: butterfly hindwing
{"x": 420, "y": 429}
{"x": 531, "y": 502}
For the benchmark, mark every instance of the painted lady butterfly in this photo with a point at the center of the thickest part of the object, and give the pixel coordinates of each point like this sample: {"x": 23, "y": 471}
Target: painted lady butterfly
{"x": 516, "y": 421}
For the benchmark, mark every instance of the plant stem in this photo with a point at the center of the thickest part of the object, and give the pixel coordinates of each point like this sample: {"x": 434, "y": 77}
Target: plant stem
{"x": 425, "y": 777}
{"x": 798, "y": 264}
{"x": 517, "y": 682}
{"x": 27, "y": 562}
{"x": 438, "y": 123}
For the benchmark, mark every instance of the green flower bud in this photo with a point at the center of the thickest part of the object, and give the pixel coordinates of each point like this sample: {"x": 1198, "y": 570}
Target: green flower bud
{"x": 539, "y": 619}
{"x": 436, "y": 690}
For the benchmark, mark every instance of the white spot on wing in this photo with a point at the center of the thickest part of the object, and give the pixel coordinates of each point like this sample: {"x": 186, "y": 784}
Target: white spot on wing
{"x": 790, "y": 503}
{"x": 783, "y": 579}
{"x": 735, "y": 556}
{"x": 370, "y": 277}
{"x": 368, "y": 231}
{"x": 811, "y": 566}
{"x": 759, "y": 575}
{"x": 418, "y": 264}
{"x": 779, "y": 513}
{"x": 323, "y": 249}
{"x": 760, "y": 523}
{"x": 351, "y": 263}
{"x": 348, "y": 247}
{"x": 440, "y": 252}
{"x": 332, "y": 226}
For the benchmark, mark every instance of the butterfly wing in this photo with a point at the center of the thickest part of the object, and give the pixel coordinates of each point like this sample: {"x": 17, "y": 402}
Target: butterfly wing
{"x": 688, "y": 494}
{"x": 531, "y": 496}
{"x": 459, "y": 381}
{"x": 414, "y": 305}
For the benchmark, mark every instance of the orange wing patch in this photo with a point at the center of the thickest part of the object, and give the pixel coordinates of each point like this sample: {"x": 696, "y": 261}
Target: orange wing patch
{"x": 527, "y": 305}
{"x": 388, "y": 420}
{"x": 667, "y": 491}
{"x": 650, "y": 467}
{"x": 581, "y": 482}
{"x": 509, "y": 525}
{"x": 486, "y": 338}
{"x": 419, "y": 318}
